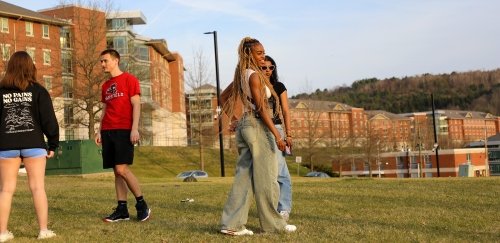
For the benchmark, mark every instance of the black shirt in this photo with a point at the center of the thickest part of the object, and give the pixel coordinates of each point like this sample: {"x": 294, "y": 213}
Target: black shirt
{"x": 25, "y": 117}
{"x": 279, "y": 88}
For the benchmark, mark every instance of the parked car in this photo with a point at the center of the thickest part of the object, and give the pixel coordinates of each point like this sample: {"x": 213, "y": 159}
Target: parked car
{"x": 317, "y": 174}
{"x": 195, "y": 173}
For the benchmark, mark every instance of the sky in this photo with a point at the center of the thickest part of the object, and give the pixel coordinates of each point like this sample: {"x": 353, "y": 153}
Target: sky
{"x": 324, "y": 44}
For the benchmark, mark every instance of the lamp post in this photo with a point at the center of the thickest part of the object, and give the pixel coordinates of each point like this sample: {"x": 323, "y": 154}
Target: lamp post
{"x": 221, "y": 138}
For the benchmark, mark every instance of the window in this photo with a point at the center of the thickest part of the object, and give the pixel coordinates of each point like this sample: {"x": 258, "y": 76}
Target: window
{"x": 67, "y": 65}
{"x": 69, "y": 134}
{"x": 4, "y": 25}
{"x": 118, "y": 24}
{"x": 31, "y": 52}
{"x": 468, "y": 157}
{"x": 120, "y": 45}
{"x": 65, "y": 38}
{"x": 142, "y": 52}
{"x": 45, "y": 31}
{"x": 5, "y": 48}
{"x": 67, "y": 87}
{"x": 48, "y": 82}
{"x": 46, "y": 57}
{"x": 29, "y": 29}
{"x": 145, "y": 92}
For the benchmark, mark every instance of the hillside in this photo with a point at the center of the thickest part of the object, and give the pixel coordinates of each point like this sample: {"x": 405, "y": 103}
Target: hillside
{"x": 473, "y": 90}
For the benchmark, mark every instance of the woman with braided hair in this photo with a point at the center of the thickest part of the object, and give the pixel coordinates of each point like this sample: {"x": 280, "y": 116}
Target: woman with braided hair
{"x": 256, "y": 139}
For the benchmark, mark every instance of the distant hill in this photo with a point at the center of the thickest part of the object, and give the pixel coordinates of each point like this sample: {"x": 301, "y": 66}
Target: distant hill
{"x": 473, "y": 90}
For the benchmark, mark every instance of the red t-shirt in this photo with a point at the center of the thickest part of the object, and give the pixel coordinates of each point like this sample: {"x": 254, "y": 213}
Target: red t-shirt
{"x": 116, "y": 93}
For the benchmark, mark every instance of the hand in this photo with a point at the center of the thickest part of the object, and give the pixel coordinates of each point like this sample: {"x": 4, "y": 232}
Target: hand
{"x": 50, "y": 154}
{"x": 134, "y": 136}
{"x": 97, "y": 139}
{"x": 289, "y": 142}
{"x": 233, "y": 125}
{"x": 281, "y": 144}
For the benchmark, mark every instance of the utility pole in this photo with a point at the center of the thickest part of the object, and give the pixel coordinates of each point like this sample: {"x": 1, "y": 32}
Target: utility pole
{"x": 436, "y": 145}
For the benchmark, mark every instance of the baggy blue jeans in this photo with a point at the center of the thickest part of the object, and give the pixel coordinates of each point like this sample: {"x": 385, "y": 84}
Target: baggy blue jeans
{"x": 284, "y": 179}
{"x": 256, "y": 174}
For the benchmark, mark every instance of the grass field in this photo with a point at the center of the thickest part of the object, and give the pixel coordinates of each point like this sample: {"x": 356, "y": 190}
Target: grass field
{"x": 325, "y": 210}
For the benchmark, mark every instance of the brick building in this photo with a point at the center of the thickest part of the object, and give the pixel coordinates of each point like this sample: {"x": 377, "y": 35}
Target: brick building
{"x": 405, "y": 164}
{"x": 163, "y": 114}
{"x": 66, "y": 48}
{"x": 39, "y": 35}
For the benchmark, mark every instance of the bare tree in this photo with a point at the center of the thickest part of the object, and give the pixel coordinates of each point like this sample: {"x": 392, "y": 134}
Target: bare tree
{"x": 200, "y": 103}
{"x": 82, "y": 75}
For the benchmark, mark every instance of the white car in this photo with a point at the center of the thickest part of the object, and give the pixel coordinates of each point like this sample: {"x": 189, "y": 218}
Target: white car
{"x": 195, "y": 173}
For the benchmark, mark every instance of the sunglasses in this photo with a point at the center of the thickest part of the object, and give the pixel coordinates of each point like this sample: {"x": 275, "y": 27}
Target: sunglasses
{"x": 264, "y": 68}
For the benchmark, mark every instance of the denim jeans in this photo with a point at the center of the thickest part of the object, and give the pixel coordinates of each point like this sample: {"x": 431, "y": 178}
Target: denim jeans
{"x": 284, "y": 179}
{"x": 256, "y": 174}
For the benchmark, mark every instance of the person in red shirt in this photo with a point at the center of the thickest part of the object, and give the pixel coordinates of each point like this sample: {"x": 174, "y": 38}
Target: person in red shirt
{"x": 118, "y": 133}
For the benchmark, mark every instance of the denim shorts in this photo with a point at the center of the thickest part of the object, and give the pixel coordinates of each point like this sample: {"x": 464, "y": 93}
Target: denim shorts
{"x": 23, "y": 153}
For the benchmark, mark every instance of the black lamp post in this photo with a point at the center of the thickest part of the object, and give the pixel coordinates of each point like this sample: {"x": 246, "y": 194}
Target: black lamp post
{"x": 219, "y": 110}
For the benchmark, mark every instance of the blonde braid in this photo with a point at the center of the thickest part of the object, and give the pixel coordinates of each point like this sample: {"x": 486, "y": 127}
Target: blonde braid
{"x": 246, "y": 61}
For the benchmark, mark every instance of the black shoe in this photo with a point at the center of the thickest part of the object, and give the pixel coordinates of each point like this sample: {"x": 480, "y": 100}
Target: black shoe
{"x": 120, "y": 213}
{"x": 143, "y": 212}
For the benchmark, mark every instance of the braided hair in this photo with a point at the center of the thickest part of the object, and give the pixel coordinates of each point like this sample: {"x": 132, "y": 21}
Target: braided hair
{"x": 247, "y": 61}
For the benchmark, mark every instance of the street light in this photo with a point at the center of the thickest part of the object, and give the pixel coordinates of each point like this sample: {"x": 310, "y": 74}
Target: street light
{"x": 221, "y": 138}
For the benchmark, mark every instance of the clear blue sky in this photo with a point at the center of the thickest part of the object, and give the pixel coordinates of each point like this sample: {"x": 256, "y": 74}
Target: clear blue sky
{"x": 322, "y": 44}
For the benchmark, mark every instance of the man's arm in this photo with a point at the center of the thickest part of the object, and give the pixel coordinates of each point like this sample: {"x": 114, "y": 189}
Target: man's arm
{"x": 97, "y": 136}
{"x": 136, "y": 112}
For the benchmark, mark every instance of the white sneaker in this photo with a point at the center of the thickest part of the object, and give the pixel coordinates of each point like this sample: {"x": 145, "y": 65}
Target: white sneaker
{"x": 285, "y": 215}
{"x": 6, "y": 236}
{"x": 45, "y": 234}
{"x": 290, "y": 228}
{"x": 237, "y": 233}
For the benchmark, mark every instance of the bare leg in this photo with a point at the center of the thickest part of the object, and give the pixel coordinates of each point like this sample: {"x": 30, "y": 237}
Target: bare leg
{"x": 8, "y": 180}
{"x": 125, "y": 178}
{"x": 35, "y": 167}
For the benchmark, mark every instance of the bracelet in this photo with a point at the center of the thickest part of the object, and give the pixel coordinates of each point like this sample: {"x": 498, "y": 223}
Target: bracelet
{"x": 281, "y": 139}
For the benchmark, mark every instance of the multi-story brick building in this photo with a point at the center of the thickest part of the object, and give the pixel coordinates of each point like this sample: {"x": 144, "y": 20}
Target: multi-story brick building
{"x": 66, "y": 48}
{"x": 404, "y": 164}
{"x": 455, "y": 128}
{"x": 25, "y": 30}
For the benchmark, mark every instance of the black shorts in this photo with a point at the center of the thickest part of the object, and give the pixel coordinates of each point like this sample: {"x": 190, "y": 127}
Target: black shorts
{"x": 116, "y": 148}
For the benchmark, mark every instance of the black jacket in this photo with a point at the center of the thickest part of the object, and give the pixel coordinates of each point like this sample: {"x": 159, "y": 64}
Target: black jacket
{"x": 25, "y": 117}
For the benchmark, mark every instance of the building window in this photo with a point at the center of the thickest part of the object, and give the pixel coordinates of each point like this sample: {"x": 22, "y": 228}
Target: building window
{"x": 67, "y": 65}
{"x": 468, "y": 157}
{"x": 142, "y": 52}
{"x": 145, "y": 92}
{"x": 117, "y": 24}
{"x": 48, "y": 82}
{"x": 31, "y": 52}
{"x": 69, "y": 134}
{"x": 45, "y": 31}
{"x": 65, "y": 38}
{"x": 67, "y": 87}
{"x": 5, "y": 51}
{"x": 120, "y": 45}
{"x": 4, "y": 25}
{"x": 46, "y": 57}
{"x": 29, "y": 29}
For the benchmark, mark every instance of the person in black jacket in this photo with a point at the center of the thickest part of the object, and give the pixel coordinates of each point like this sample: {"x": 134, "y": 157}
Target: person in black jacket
{"x": 26, "y": 114}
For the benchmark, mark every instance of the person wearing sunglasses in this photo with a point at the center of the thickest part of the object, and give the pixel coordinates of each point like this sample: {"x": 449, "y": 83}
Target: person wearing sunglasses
{"x": 284, "y": 179}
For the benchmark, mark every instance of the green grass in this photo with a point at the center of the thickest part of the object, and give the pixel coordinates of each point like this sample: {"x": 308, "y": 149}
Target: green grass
{"x": 324, "y": 210}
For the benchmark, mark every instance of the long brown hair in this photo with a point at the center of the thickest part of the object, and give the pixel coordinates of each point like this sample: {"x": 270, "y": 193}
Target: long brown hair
{"x": 21, "y": 72}
{"x": 246, "y": 61}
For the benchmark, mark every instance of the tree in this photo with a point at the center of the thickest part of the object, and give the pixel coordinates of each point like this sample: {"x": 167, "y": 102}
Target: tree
{"x": 312, "y": 134}
{"x": 200, "y": 103}
{"x": 82, "y": 74}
